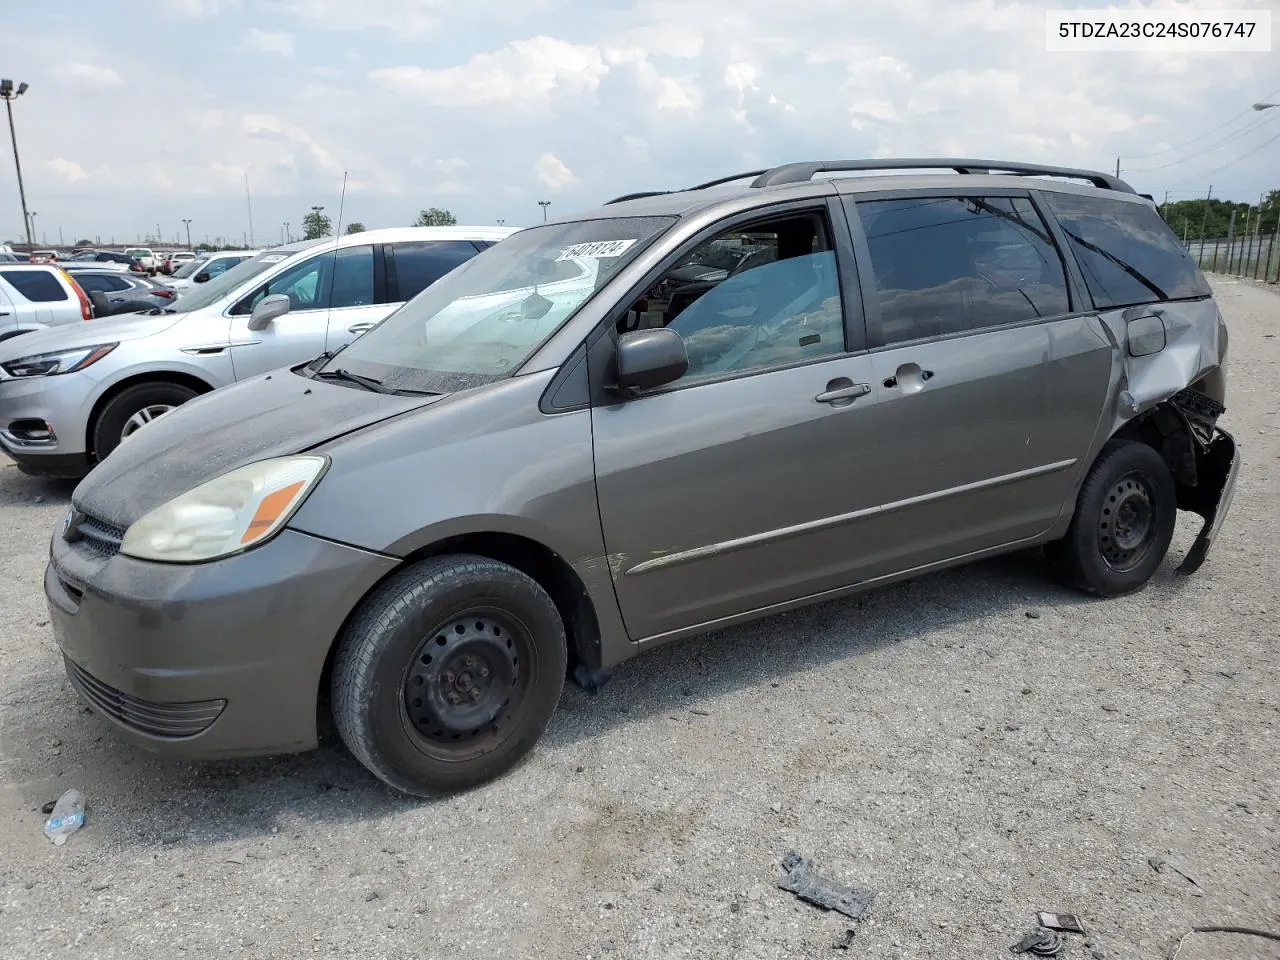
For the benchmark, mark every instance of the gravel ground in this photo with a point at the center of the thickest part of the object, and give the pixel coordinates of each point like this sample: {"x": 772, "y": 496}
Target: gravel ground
{"x": 973, "y": 746}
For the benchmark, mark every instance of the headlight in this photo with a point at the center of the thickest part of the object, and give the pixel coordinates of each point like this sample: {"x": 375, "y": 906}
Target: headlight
{"x": 63, "y": 361}
{"x": 228, "y": 514}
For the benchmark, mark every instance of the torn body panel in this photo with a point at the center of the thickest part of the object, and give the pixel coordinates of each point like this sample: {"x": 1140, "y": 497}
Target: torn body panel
{"x": 1172, "y": 392}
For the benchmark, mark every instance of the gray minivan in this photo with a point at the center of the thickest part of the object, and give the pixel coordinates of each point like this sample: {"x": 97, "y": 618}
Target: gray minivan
{"x": 557, "y": 457}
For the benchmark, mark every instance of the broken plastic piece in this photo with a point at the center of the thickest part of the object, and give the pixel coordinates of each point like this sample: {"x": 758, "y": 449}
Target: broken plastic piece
{"x": 845, "y": 942}
{"x": 802, "y": 879}
{"x": 67, "y": 817}
{"x": 1060, "y": 921}
{"x": 1040, "y": 942}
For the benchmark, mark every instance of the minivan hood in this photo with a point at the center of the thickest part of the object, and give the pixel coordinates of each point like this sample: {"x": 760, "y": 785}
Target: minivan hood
{"x": 68, "y": 336}
{"x": 274, "y": 415}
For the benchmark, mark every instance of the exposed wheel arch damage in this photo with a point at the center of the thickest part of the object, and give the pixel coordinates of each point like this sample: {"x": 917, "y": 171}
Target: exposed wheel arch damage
{"x": 551, "y": 571}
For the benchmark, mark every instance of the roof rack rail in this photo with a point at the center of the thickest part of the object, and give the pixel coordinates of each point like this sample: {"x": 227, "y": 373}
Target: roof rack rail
{"x": 801, "y": 172}
{"x": 701, "y": 186}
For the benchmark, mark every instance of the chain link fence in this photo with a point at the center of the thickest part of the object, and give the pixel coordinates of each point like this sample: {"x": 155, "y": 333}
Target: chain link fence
{"x": 1255, "y": 256}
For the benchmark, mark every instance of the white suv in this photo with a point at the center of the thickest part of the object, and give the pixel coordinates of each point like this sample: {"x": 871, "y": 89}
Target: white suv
{"x": 36, "y": 296}
{"x": 70, "y": 397}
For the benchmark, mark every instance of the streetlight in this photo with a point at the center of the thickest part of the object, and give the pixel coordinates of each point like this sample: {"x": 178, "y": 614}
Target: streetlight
{"x": 31, "y": 228}
{"x": 501, "y": 222}
{"x": 9, "y": 93}
{"x": 1265, "y": 106}
{"x": 544, "y": 204}
{"x": 287, "y": 235}
{"x": 186, "y": 222}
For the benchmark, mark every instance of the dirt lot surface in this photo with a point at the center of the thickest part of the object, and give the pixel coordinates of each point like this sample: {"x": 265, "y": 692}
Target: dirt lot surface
{"x": 973, "y": 746}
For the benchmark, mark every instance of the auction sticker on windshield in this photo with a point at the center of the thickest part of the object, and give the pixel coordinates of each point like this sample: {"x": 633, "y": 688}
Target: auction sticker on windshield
{"x": 597, "y": 249}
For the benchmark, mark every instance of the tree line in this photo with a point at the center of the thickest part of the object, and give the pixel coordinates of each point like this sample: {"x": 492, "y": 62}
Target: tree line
{"x": 317, "y": 223}
{"x": 1186, "y": 216}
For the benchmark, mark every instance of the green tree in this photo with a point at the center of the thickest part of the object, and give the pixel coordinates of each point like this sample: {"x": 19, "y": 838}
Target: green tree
{"x": 84, "y": 243}
{"x": 1187, "y": 216}
{"x": 1270, "y": 212}
{"x": 356, "y": 227}
{"x": 435, "y": 217}
{"x": 316, "y": 224}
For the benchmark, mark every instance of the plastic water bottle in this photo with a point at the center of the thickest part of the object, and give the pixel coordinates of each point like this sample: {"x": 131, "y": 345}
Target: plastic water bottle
{"x": 67, "y": 817}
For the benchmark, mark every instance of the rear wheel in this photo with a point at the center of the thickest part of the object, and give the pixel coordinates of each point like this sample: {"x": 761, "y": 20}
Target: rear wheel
{"x": 1125, "y": 515}
{"x": 448, "y": 674}
{"x": 132, "y": 409}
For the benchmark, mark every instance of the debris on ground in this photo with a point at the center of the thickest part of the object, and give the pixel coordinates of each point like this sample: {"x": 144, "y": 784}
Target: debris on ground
{"x": 1158, "y": 865}
{"x": 66, "y": 817}
{"x": 1243, "y": 931}
{"x": 802, "y": 879}
{"x": 845, "y": 942}
{"x": 1040, "y": 942}
{"x": 1060, "y": 921}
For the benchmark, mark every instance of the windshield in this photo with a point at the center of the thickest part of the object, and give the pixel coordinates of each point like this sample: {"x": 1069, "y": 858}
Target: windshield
{"x": 138, "y": 252}
{"x": 187, "y": 269}
{"x": 203, "y": 294}
{"x": 483, "y": 319}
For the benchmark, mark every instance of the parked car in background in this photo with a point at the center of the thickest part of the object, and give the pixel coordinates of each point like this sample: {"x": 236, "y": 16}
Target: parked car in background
{"x": 429, "y": 530}
{"x": 123, "y": 292}
{"x": 145, "y": 256}
{"x": 203, "y": 269}
{"x": 44, "y": 256}
{"x": 94, "y": 388}
{"x": 38, "y": 296}
{"x": 106, "y": 259}
{"x": 175, "y": 260}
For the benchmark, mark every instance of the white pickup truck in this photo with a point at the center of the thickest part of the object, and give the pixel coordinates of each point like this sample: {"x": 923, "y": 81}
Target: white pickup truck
{"x": 146, "y": 257}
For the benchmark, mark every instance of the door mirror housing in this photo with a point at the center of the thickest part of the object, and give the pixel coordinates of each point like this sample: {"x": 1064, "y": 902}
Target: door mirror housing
{"x": 267, "y": 310}
{"x": 201, "y": 277}
{"x": 650, "y": 358}
{"x": 101, "y": 305}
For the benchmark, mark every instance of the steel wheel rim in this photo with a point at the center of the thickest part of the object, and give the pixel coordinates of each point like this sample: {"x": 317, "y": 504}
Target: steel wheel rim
{"x": 463, "y": 696}
{"x": 1127, "y": 524}
{"x": 143, "y": 417}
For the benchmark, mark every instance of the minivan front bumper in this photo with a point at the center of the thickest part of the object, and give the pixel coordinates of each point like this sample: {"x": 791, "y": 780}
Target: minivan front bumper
{"x": 207, "y": 660}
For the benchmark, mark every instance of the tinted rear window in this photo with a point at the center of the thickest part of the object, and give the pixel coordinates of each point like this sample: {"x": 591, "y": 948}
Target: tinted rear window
{"x": 1126, "y": 252}
{"x": 421, "y": 263}
{"x": 38, "y": 286}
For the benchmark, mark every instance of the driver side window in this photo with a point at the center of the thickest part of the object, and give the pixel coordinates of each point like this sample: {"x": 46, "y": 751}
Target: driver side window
{"x": 752, "y": 298}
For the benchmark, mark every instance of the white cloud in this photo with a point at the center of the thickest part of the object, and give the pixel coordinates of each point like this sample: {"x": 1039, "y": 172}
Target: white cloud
{"x": 92, "y": 75}
{"x": 552, "y": 172}
{"x": 197, "y": 9}
{"x": 270, "y": 41}
{"x": 523, "y": 72}
{"x": 68, "y": 169}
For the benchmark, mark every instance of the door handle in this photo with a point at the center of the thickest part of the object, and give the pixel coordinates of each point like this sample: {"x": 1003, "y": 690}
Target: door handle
{"x": 909, "y": 378}
{"x": 360, "y": 327}
{"x": 842, "y": 391}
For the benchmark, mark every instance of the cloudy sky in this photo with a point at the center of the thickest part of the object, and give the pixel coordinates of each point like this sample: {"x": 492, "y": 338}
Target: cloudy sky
{"x": 137, "y": 119}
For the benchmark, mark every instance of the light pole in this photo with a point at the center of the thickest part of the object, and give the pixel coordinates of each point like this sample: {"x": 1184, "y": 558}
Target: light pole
{"x": 287, "y": 235}
{"x": 501, "y": 222}
{"x": 31, "y": 229}
{"x": 544, "y": 204}
{"x": 8, "y": 92}
{"x": 186, "y": 222}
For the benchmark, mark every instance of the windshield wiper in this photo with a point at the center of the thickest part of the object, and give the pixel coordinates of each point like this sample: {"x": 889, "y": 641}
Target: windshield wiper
{"x": 377, "y": 386}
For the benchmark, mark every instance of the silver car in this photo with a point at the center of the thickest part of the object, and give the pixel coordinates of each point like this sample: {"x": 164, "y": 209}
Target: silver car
{"x": 69, "y": 397}
{"x": 203, "y": 269}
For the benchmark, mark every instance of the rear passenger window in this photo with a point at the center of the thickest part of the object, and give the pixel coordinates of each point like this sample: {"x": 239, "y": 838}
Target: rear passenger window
{"x": 949, "y": 265}
{"x": 421, "y": 263}
{"x": 1126, "y": 252}
{"x": 38, "y": 286}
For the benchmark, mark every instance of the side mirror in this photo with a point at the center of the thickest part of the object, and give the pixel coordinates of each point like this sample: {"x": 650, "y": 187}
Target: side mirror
{"x": 201, "y": 277}
{"x": 268, "y": 309}
{"x": 650, "y": 358}
{"x": 101, "y": 305}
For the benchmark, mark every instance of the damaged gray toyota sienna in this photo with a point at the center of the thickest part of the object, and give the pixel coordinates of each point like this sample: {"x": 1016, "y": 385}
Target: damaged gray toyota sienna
{"x": 675, "y": 412}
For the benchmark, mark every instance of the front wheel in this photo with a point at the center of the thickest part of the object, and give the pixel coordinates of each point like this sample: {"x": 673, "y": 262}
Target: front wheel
{"x": 448, "y": 674}
{"x": 1125, "y": 514}
{"x": 132, "y": 409}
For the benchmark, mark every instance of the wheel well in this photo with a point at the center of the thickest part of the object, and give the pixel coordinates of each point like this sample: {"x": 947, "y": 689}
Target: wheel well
{"x": 551, "y": 571}
{"x": 158, "y": 376}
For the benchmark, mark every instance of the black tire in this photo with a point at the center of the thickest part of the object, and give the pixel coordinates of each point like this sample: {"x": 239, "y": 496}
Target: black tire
{"x": 109, "y": 428}
{"x": 406, "y": 650}
{"x": 1125, "y": 514}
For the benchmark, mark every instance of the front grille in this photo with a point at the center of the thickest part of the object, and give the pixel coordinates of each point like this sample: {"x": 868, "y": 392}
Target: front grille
{"x": 171, "y": 720}
{"x": 93, "y": 535}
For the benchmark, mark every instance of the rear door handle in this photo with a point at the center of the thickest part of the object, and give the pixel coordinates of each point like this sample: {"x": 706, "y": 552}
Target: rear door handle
{"x": 360, "y": 327}
{"x": 842, "y": 391}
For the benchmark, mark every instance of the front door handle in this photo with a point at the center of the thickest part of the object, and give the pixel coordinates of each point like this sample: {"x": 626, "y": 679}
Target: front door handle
{"x": 842, "y": 391}
{"x": 360, "y": 327}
